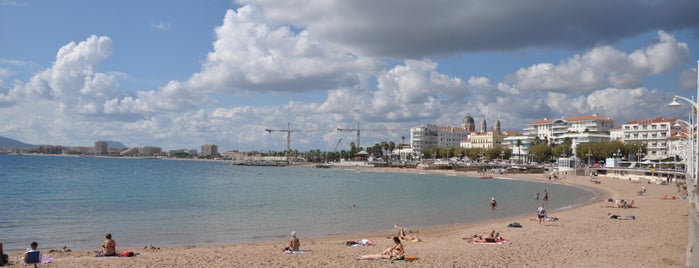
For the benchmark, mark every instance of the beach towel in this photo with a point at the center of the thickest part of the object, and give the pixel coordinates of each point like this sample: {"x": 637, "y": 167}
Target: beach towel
{"x": 498, "y": 242}
{"x": 294, "y": 251}
{"x": 406, "y": 259}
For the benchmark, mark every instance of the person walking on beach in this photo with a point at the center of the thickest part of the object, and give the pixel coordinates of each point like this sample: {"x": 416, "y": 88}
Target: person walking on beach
{"x": 108, "y": 246}
{"x": 493, "y": 203}
{"x": 541, "y": 213}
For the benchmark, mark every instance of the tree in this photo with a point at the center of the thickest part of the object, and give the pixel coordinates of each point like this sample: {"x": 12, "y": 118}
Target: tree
{"x": 519, "y": 150}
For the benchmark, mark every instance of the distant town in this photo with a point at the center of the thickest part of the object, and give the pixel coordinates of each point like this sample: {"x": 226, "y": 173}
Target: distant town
{"x": 656, "y": 139}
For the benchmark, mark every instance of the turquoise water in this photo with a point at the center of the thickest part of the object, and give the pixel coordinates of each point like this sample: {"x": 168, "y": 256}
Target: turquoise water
{"x": 73, "y": 201}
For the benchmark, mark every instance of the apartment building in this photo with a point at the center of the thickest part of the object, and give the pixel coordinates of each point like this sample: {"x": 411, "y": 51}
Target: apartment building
{"x": 430, "y": 136}
{"x": 654, "y": 133}
{"x": 580, "y": 129}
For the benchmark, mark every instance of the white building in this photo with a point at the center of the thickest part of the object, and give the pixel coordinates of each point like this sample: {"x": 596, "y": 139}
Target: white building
{"x": 654, "y": 133}
{"x": 580, "y": 129}
{"x": 430, "y": 136}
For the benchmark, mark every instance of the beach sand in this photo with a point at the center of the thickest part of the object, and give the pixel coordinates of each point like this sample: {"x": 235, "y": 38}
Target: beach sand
{"x": 583, "y": 237}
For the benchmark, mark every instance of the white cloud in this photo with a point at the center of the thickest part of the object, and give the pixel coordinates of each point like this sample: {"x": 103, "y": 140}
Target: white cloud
{"x": 258, "y": 52}
{"x": 250, "y": 55}
{"x": 604, "y": 65}
{"x": 162, "y": 26}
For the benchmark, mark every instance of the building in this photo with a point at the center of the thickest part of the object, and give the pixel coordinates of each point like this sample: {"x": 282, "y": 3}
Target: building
{"x": 520, "y": 153}
{"x": 654, "y": 133}
{"x": 151, "y": 151}
{"x": 483, "y": 139}
{"x": 430, "y": 136}
{"x": 580, "y": 129}
{"x": 209, "y": 150}
{"x": 101, "y": 148}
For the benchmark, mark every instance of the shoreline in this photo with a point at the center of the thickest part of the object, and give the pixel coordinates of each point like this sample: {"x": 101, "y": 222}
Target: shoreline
{"x": 583, "y": 237}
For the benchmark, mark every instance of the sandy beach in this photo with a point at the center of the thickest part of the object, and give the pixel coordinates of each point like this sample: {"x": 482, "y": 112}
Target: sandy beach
{"x": 583, "y": 237}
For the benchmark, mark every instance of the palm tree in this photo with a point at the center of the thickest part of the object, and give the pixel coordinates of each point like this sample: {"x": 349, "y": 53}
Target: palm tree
{"x": 519, "y": 150}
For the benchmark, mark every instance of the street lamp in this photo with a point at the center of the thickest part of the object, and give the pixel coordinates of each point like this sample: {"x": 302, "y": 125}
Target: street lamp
{"x": 692, "y": 168}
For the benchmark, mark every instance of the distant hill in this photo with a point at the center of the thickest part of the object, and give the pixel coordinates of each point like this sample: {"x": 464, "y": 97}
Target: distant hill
{"x": 7, "y": 142}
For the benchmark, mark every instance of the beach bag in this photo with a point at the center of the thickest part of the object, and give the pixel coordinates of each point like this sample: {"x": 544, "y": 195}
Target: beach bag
{"x": 126, "y": 253}
{"x": 515, "y": 225}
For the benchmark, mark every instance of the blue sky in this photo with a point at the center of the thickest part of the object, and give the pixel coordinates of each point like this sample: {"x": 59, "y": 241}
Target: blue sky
{"x": 179, "y": 74}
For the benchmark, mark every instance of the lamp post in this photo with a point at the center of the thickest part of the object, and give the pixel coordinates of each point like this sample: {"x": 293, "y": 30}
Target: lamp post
{"x": 692, "y": 178}
{"x": 692, "y": 168}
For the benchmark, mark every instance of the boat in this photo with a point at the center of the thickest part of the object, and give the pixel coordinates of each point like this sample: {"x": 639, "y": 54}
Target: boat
{"x": 485, "y": 177}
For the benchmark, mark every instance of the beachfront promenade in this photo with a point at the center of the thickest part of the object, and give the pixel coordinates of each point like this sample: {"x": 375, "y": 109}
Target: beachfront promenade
{"x": 583, "y": 237}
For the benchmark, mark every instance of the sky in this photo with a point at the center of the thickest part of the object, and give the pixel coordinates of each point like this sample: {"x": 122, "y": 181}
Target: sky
{"x": 180, "y": 74}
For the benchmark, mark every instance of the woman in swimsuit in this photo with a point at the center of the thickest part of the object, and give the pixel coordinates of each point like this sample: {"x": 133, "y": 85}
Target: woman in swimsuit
{"x": 395, "y": 252}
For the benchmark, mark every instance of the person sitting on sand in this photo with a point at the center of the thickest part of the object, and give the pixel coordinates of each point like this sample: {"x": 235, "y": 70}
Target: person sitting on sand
{"x": 395, "y": 252}
{"x": 294, "y": 242}
{"x": 402, "y": 235}
{"x": 32, "y": 248}
{"x": 617, "y": 217}
{"x": 108, "y": 246}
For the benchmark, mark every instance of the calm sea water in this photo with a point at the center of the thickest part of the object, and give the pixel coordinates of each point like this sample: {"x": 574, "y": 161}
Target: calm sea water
{"x": 73, "y": 201}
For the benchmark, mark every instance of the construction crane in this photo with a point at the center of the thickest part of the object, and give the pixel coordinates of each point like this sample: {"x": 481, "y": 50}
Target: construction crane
{"x": 352, "y": 129}
{"x": 288, "y": 131}
{"x": 338, "y": 144}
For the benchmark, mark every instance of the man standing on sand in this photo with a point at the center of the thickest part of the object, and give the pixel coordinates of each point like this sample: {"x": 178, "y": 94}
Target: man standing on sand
{"x": 541, "y": 213}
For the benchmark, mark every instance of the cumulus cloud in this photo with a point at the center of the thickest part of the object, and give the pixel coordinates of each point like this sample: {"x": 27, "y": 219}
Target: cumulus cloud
{"x": 250, "y": 55}
{"x": 345, "y": 49}
{"x": 605, "y": 65}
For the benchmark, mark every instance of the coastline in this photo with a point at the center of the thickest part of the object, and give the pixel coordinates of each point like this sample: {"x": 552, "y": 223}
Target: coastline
{"x": 583, "y": 237}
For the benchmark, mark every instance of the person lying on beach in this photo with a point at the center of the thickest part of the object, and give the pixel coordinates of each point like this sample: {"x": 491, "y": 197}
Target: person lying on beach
{"x": 395, "y": 252}
{"x": 491, "y": 234}
{"x": 402, "y": 235}
{"x": 617, "y": 217}
{"x": 491, "y": 237}
{"x": 546, "y": 218}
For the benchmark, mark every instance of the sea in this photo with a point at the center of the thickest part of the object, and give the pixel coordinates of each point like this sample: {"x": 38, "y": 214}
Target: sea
{"x": 73, "y": 201}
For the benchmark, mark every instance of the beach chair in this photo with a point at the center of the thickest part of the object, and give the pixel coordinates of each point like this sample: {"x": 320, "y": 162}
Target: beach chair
{"x": 33, "y": 257}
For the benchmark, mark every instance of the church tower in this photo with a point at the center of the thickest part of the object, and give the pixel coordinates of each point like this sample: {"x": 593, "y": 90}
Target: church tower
{"x": 469, "y": 124}
{"x": 497, "y": 126}
{"x": 484, "y": 126}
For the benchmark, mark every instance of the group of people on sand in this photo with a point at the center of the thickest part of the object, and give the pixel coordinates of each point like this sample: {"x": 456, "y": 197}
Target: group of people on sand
{"x": 108, "y": 248}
